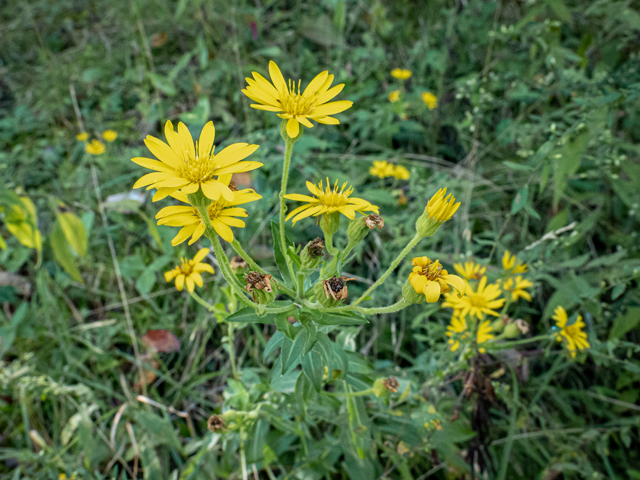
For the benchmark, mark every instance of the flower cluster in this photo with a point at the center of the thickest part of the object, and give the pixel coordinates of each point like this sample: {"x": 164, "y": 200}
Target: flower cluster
{"x": 384, "y": 169}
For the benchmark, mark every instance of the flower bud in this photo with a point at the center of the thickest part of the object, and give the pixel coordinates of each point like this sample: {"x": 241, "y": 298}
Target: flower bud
{"x": 359, "y": 228}
{"x": 382, "y": 387}
{"x": 498, "y": 325}
{"x": 259, "y": 285}
{"x": 511, "y": 331}
{"x": 410, "y": 295}
{"x": 311, "y": 255}
{"x": 330, "y": 223}
{"x": 438, "y": 210}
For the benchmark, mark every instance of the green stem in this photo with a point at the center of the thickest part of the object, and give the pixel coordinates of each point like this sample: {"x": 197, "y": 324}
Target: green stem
{"x": 300, "y": 286}
{"x": 524, "y": 341}
{"x": 202, "y": 302}
{"x": 361, "y": 393}
{"x": 243, "y": 458}
{"x": 247, "y": 258}
{"x": 232, "y": 352}
{"x": 377, "y": 310}
{"x": 328, "y": 243}
{"x": 414, "y": 241}
{"x": 288, "y": 149}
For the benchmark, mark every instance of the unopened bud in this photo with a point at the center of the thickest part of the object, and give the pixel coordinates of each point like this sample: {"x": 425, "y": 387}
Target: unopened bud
{"x": 511, "y": 331}
{"x": 330, "y": 223}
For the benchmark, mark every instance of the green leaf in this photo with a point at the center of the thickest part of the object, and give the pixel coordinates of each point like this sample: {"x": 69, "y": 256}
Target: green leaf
{"x": 160, "y": 429}
{"x": 274, "y": 342}
{"x": 249, "y": 315}
{"x": 561, "y": 10}
{"x": 162, "y": 83}
{"x": 62, "y": 252}
{"x": 313, "y": 368}
{"x": 325, "y": 318}
{"x": 279, "y": 254}
{"x": 292, "y": 350}
{"x": 520, "y": 200}
{"x": 625, "y": 323}
{"x": 74, "y": 231}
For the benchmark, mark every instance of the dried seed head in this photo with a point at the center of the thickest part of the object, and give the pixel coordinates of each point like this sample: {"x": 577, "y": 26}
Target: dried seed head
{"x": 258, "y": 281}
{"x": 316, "y": 248}
{"x": 522, "y": 326}
{"x": 215, "y": 423}
{"x": 336, "y": 287}
{"x": 391, "y": 384}
{"x": 373, "y": 221}
{"x": 238, "y": 262}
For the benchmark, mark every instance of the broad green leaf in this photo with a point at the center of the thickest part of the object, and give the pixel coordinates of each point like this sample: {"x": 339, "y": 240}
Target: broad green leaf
{"x": 160, "y": 429}
{"x": 73, "y": 230}
{"x": 625, "y": 323}
{"x": 292, "y": 350}
{"x": 313, "y": 368}
{"x": 324, "y": 318}
{"x": 520, "y": 200}
{"x": 249, "y": 315}
{"x": 62, "y": 252}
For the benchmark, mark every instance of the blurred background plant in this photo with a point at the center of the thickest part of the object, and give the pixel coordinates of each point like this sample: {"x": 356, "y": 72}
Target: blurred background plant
{"x": 532, "y": 120}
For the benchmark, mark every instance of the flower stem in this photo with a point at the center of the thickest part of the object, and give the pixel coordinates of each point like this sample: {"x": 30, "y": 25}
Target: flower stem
{"x": 247, "y": 258}
{"x": 243, "y": 459}
{"x": 202, "y": 302}
{"x": 377, "y": 310}
{"x": 223, "y": 261}
{"x": 361, "y": 393}
{"x": 288, "y": 149}
{"x": 524, "y": 341}
{"x": 414, "y": 241}
{"x": 232, "y": 352}
{"x": 328, "y": 242}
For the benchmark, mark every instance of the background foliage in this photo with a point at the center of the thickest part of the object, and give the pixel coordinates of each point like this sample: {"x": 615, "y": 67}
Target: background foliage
{"x": 536, "y": 131}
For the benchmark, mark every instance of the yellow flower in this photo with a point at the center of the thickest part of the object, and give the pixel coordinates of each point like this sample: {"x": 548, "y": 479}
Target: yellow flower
{"x": 430, "y": 279}
{"x": 484, "y": 334}
{"x": 189, "y": 271}
{"x": 440, "y": 208}
{"x": 81, "y": 137}
{"x": 381, "y": 169}
{"x": 394, "y": 96}
{"x": 328, "y": 201}
{"x": 517, "y": 288}
{"x": 187, "y": 168}
{"x": 401, "y": 73}
{"x": 482, "y": 301}
{"x": 430, "y": 100}
{"x": 512, "y": 264}
{"x": 110, "y": 135}
{"x": 94, "y": 147}
{"x": 63, "y": 476}
{"x": 470, "y": 270}
{"x": 222, "y": 215}
{"x": 573, "y": 335}
{"x": 401, "y": 173}
{"x": 297, "y": 106}
{"x": 457, "y": 326}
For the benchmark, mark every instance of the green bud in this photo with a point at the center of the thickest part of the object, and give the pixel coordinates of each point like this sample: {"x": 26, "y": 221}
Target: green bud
{"x": 311, "y": 255}
{"x": 511, "y": 331}
{"x": 498, "y": 325}
{"x": 359, "y": 228}
{"x": 330, "y": 223}
{"x": 260, "y": 287}
{"x": 427, "y": 226}
{"x": 410, "y": 295}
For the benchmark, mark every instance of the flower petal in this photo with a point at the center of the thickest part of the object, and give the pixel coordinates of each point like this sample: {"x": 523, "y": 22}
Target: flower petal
{"x": 277, "y": 79}
{"x": 207, "y": 136}
{"x": 293, "y": 127}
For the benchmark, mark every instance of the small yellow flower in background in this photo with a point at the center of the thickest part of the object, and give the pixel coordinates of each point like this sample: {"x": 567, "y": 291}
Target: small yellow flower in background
{"x": 189, "y": 271}
{"x": 328, "y": 201}
{"x": 297, "y": 106}
{"x": 440, "y": 208}
{"x": 482, "y": 301}
{"x": 63, "y": 476}
{"x": 188, "y": 168}
{"x": 573, "y": 335}
{"x": 484, "y": 334}
{"x": 401, "y": 173}
{"x": 470, "y": 270}
{"x": 94, "y": 147}
{"x": 512, "y": 264}
{"x": 222, "y": 215}
{"x": 381, "y": 169}
{"x": 517, "y": 288}
{"x": 458, "y": 325}
{"x": 429, "y": 278}
{"x": 402, "y": 198}
{"x": 401, "y": 73}
{"x": 430, "y": 100}
{"x": 394, "y": 96}
{"x": 110, "y": 135}
{"x": 81, "y": 137}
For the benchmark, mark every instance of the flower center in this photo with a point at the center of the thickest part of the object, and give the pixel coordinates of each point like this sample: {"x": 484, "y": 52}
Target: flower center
{"x": 476, "y": 300}
{"x": 214, "y": 209}
{"x": 296, "y": 104}
{"x": 186, "y": 267}
{"x": 334, "y": 197}
{"x": 197, "y": 169}
{"x": 432, "y": 271}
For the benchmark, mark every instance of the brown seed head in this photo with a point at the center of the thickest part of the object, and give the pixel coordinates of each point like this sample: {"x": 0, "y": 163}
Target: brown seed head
{"x": 238, "y": 262}
{"x": 258, "y": 281}
{"x": 391, "y": 384}
{"x": 316, "y": 248}
{"x": 215, "y": 423}
{"x": 232, "y": 186}
{"x": 373, "y": 221}
{"x": 336, "y": 287}
{"x": 522, "y": 326}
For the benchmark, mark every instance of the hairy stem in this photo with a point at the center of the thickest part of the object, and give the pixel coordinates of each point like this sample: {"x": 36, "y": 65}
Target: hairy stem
{"x": 232, "y": 351}
{"x": 247, "y": 258}
{"x": 201, "y": 301}
{"x": 288, "y": 148}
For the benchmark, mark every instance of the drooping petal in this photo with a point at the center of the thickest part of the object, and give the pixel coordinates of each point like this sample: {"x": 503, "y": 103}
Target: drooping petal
{"x": 297, "y": 210}
{"x": 197, "y": 233}
{"x": 432, "y": 291}
{"x": 211, "y": 190}
{"x": 308, "y": 213}
{"x": 190, "y": 284}
{"x": 183, "y": 234}
{"x": 327, "y": 120}
{"x": 223, "y": 230}
{"x": 232, "y": 221}
{"x": 180, "y": 282}
{"x": 305, "y": 122}
{"x": 456, "y": 282}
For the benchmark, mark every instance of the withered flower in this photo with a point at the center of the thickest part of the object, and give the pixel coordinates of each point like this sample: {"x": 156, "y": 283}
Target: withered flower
{"x": 238, "y": 263}
{"x": 373, "y": 221}
{"x": 391, "y": 384}
{"x": 233, "y": 186}
{"x": 522, "y": 326}
{"x": 336, "y": 287}
{"x": 316, "y": 248}
{"x": 215, "y": 423}
{"x": 258, "y": 281}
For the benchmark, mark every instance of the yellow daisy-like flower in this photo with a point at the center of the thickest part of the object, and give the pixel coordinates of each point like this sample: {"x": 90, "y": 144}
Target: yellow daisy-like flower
{"x": 470, "y": 270}
{"x": 512, "y": 264}
{"x": 297, "y": 106}
{"x": 94, "y": 147}
{"x": 110, "y": 135}
{"x": 394, "y": 96}
{"x": 441, "y": 208}
{"x": 457, "y": 328}
{"x": 430, "y": 279}
{"x": 517, "y": 288}
{"x": 401, "y": 73}
{"x": 482, "y": 301}
{"x": 327, "y": 201}
{"x": 222, "y": 215}
{"x": 81, "y": 137}
{"x": 573, "y": 335}
{"x": 189, "y": 271}
{"x": 381, "y": 169}
{"x": 63, "y": 476}
{"x": 430, "y": 100}
{"x": 484, "y": 334}
{"x": 188, "y": 168}
{"x": 401, "y": 173}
